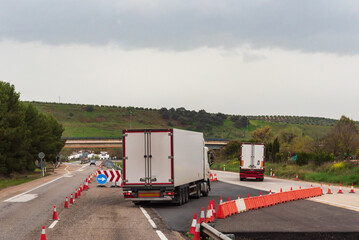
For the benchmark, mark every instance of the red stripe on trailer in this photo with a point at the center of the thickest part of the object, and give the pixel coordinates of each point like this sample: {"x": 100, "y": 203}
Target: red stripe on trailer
{"x": 105, "y": 172}
{"x": 172, "y": 155}
{"x": 124, "y": 155}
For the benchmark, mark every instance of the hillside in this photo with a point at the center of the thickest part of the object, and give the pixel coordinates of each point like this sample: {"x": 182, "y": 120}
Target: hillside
{"x": 108, "y": 121}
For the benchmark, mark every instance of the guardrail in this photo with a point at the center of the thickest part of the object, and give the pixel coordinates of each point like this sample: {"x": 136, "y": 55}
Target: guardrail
{"x": 208, "y": 231}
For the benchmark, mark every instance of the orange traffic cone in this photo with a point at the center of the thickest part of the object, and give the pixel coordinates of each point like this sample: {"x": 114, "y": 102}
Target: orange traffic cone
{"x": 215, "y": 177}
{"x": 71, "y": 200}
{"x": 274, "y": 175}
{"x": 329, "y": 191}
{"x": 194, "y": 222}
{"x": 228, "y": 199}
{"x": 300, "y": 187}
{"x": 270, "y": 191}
{"x": 311, "y": 185}
{"x": 220, "y": 200}
{"x": 248, "y": 195}
{"x": 213, "y": 208}
{"x": 80, "y": 189}
{"x": 197, "y": 234}
{"x": 352, "y": 189}
{"x": 260, "y": 193}
{"x": 66, "y": 203}
{"x": 281, "y": 190}
{"x": 209, "y": 213}
{"x": 296, "y": 177}
{"x": 291, "y": 188}
{"x": 54, "y": 215}
{"x": 340, "y": 188}
{"x": 76, "y": 193}
{"x": 43, "y": 233}
{"x": 201, "y": 218}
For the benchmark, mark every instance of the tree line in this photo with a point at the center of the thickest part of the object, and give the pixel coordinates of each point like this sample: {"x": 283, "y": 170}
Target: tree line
{"x": 24, "y": 132}
{"x": 291, "y": 144}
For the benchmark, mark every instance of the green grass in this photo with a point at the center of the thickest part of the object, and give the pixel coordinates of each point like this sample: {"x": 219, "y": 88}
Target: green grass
{"x": 8, "y": 182}
{"x": 109, "y": 121}
{"x": 327, "y": 173}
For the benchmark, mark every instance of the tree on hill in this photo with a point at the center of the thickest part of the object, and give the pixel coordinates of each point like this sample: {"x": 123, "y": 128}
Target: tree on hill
{"x": 262, "y": 135}
{"x": 343, "y": 139}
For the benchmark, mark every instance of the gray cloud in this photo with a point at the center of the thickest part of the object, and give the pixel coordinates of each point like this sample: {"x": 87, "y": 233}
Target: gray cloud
{"x": 310, "y": 26}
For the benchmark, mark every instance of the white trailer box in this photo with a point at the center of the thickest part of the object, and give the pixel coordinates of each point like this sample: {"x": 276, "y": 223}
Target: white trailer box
{"x": 157, "y": 161}
{"x": 252, "y": 161}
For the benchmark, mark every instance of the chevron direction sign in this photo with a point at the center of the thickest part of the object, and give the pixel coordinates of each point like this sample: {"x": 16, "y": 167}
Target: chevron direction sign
{"x": 112, "y": 175}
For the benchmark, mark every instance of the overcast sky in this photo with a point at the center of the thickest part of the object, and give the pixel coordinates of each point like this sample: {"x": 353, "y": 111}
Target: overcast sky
{"x": 235, "y": 57}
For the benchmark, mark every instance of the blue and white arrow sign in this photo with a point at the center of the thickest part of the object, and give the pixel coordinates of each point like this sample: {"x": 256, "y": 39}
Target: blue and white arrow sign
{"x": 101, "y": 179}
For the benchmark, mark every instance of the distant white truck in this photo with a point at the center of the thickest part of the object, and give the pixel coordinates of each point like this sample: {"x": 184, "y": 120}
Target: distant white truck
{"x": 252, "y": 161}
{"x": 165, "y": 165}
{"x": 104, "y": 155}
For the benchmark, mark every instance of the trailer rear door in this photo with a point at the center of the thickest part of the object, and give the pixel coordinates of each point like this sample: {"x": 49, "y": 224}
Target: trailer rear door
{"x": 252, "y": 156}
{"x": 148, "y": 157}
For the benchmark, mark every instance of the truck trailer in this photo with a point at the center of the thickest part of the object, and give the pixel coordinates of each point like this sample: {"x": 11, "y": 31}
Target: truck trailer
{"x": 252, "y": 161}
{"x": 165, "y": 165}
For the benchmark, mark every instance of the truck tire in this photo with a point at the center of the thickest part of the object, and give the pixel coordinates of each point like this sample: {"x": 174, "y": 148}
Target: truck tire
{"x": 241, "y": 179}
{"x": 206, "y": 191}
{"x": 180, "y": 197}
{"x": 261, "y": 179}
{"x": 186, "y": 194}
{"x": 198, "y": 191}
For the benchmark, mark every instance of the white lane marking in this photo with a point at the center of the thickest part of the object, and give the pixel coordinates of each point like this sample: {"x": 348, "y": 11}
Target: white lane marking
{"x": 53, "y": 224}
{"x": 153, "y": 224}
{"x": 67, "y": 170}
{"x": 9, "y": 199}
{"x": 161, "y": 235}
{"x": 335, "y": 204}
{"x": 68, "y": 175}
{"x": 24, "y": 198}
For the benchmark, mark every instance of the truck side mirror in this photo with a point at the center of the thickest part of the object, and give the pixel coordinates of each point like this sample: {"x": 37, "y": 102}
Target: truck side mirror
{"x": 210, "y": 159}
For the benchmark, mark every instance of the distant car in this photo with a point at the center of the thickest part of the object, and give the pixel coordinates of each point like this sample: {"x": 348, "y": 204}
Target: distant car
{"x": 93, "y": 162}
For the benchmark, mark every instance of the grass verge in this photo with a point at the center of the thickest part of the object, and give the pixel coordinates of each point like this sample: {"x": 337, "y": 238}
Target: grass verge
{"x": 342, "y": 172}
{"x": 17, "y": 180}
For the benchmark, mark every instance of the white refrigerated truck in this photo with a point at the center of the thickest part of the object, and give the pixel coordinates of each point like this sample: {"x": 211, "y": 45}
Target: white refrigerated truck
{"x": 165, "y": 165}
{"x": 252, "y": 161}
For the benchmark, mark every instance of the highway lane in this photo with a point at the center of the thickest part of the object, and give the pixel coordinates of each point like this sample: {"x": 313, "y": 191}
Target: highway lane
{"x": 22, "y": 215}
{"x": 179, "y": 218}
{"x": 302, "y": 218}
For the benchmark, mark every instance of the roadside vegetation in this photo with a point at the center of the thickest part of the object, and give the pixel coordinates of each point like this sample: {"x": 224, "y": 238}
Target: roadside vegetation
{"x": 328, "y": 157}
{"x": 24, "y": 132}
{"x": 109, "y": 121}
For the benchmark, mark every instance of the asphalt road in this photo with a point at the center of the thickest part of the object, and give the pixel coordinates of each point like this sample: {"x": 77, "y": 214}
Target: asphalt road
{"x": 179, "y": 218}
{"x": 302, "y": 219}
{"x": 24, "y": 220}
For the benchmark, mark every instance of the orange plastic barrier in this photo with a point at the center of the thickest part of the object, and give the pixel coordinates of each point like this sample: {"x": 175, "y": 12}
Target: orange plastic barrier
{"x": 226, "y": 209}
{"x": 230, "y": 208}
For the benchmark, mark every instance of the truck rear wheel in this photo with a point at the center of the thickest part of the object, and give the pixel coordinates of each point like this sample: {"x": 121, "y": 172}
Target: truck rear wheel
{"x": 186, "y": 195}
{"x": 198, "y": 191}
{"x": 180, "y": 197}
{"x": 206, "y": 190}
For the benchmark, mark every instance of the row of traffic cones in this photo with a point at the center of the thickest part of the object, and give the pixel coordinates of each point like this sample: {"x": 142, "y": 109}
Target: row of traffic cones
{"x": 340, "y": 191}
{"x": 210, "y": 215}
{"x": 77, "y": 194}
